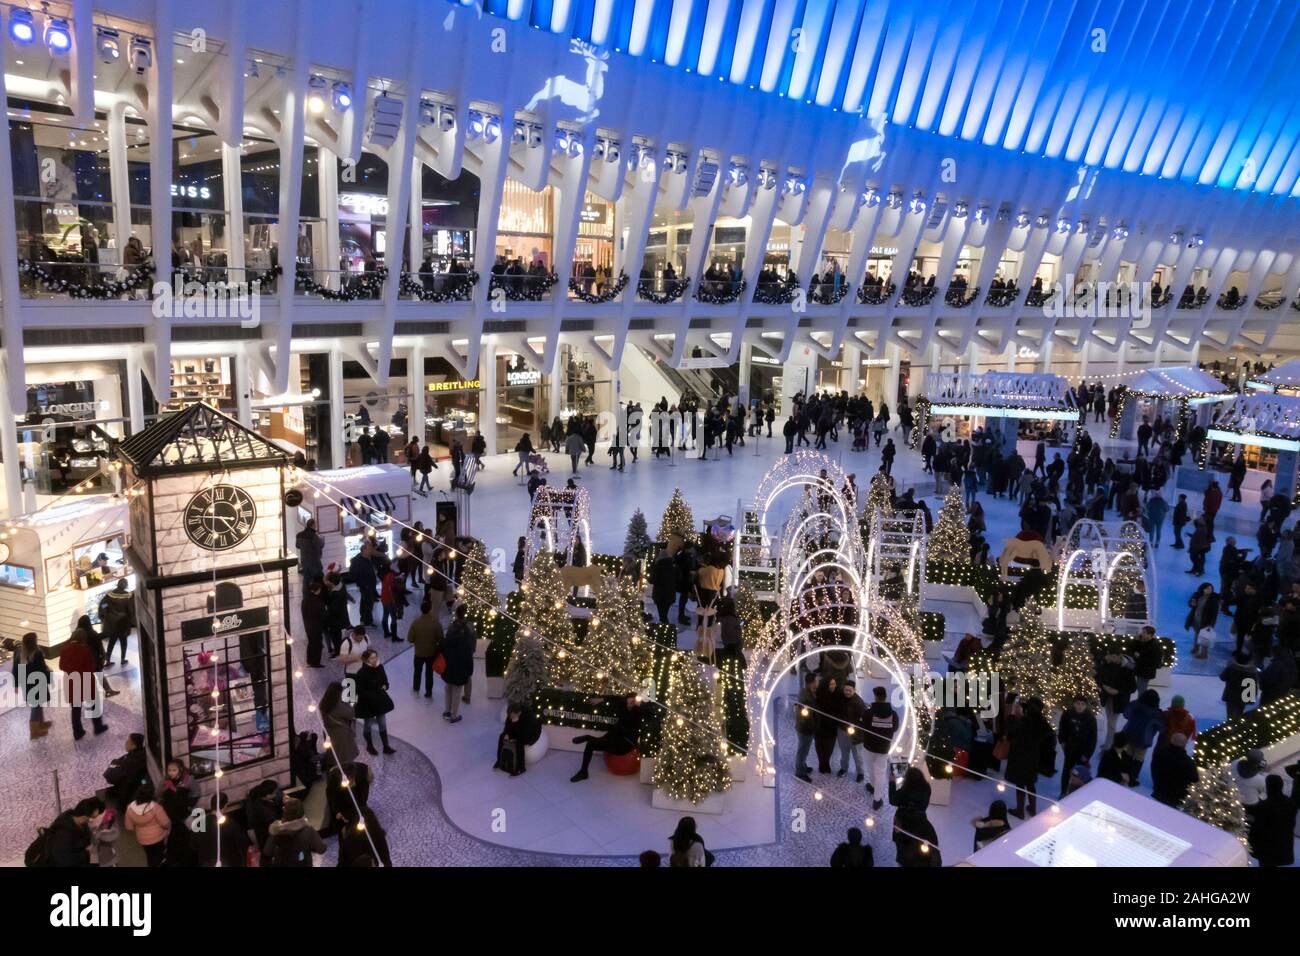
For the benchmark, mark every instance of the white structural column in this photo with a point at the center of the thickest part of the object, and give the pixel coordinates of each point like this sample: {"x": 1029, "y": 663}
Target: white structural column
{"x": 9, "y": 454}
{"x": 337, "y": 448}
{"x": 290, "y": 143}
{"x": 638, "y": 203}
{"x": 415, "y": 390}
{"x": 232, "y": 176}
{"x": 327, "y": 191}
{"x": 10, "y": 301}
{"x": 487, "y": 402}
{"x": 135, "y": 390}
{"x": 159, "y": 118}
{"x": 119, "y": 176}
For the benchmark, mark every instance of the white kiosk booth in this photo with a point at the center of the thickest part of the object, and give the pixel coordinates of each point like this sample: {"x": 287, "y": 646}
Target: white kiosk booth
{"x": 1002, "y": 399}
{"x": 348, "y": 505}
{"x": 1106, "y": 824}
{"x": 56, "y": 565}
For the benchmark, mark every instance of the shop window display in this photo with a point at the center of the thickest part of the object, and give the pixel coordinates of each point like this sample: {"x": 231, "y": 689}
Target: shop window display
{"x": 235, "y": 667}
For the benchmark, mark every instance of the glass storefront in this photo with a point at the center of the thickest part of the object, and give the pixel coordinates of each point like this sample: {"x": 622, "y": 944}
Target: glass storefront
{"x": 74, "y": 411}
{"x": 523, "y": 401}
{"x": 525, "y": 227}
{"x": 593, "y": 253}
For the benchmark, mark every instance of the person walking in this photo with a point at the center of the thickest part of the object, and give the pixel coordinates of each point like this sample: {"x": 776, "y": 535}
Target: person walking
{"x": 80, "y": 675}
{"x": 34, "y": 681}
{"x": 373, "y": 703}
{"x": 574, "y": 447}
{"x": 523, "y": 448}
{"x": 878, "y": 741}
{"x": 310, "y": 547}
{"x": 117, "y": 616}
{"x": 1182, "y": 515}
{"x": 426, "y": 637}
{"x": 458, "y": 653}
{"x": 425, "y": 464}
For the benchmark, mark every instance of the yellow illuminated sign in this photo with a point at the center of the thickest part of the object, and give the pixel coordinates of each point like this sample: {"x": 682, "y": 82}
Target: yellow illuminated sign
{"x": 456, "y": 386}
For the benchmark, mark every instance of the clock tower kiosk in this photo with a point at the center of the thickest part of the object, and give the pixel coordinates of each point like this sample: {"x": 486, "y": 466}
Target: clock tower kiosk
{"x": 208, "y": 546}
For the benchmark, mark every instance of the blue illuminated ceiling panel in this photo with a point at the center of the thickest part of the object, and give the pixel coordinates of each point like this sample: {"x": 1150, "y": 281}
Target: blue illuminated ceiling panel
{"x": 1199, "y": 91}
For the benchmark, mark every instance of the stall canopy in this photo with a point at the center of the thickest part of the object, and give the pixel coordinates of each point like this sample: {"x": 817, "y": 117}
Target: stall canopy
{"x": 1177, "y": 382}
{"x": 1105, "y": 824}
{"x": 364, "y": 506}
{"x": 1031, "y": 395}
{"x": 1268, "y": 421}
{"x": 1286, "y": 375}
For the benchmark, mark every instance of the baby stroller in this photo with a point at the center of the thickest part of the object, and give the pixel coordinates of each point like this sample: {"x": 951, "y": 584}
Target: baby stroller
{"x": 537, "y": 462}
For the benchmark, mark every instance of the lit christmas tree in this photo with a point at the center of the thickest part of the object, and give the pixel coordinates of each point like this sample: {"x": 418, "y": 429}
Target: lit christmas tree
{"x": 950, "y": 540}
{"x": 1215, "y": 799}
{"x": 637, "y": 544}
{"x": 753, "y": 629}
{"x": 902, "y": 635}
{"x": 1075, "y": 675}
{"x": 543, "y": 612}
{"x": 526, "y": 672}
{"x": 880, "y": 497}
{"x": 678, "y": 518}
{"x": 690, "y": 764}
{"x": 1025, "y": 659}
{"x": 615, "y": 652}
{"x": 478, "y": 589}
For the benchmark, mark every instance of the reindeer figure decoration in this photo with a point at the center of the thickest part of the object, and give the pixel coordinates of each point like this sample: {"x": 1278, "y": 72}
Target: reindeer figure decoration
{"x": 579, "y": 95}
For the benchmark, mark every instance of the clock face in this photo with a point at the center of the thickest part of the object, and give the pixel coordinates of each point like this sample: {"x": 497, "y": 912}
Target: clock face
{"x": 220, "y": 517}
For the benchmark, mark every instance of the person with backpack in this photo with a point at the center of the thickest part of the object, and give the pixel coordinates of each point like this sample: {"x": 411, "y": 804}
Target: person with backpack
{"x": 1143, "y": 722}
{"x": 353, "y": 649}
{"x": 292, "y": 840}
{"x": 852, "y": 855}
{"x": 150, "y": 823}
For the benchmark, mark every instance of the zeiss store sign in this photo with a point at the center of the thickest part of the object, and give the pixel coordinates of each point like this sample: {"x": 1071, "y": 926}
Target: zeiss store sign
{"x": 191, "y": 192}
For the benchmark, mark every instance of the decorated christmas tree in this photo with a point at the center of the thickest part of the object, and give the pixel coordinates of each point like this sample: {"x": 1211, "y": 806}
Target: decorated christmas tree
{"x": 753, "y": 628}
{"x": 543, "y": 613}
{"x": 637, "y": 544}
{"x": 690, "y": 764}
{"x": 950, "y": 540}
{"x": 902, "y": 633}
{"x": 615, "y": 652}
{"x": 678, "y": 518}
{"x": 1215, "y": 799}
{"x": 478, "y": 589}
{"x": 880, "y": 497}
{"x": 526, "y": 672}
{"x": 1074, "y": 673}
{"x": 1025, "y": 659}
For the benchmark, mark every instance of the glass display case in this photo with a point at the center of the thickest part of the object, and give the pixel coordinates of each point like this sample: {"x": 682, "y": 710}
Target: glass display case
{"x": 17, "y": 576}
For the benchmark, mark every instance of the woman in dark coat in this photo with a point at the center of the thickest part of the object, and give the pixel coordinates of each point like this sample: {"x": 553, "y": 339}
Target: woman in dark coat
{"x": 1272, "y": 826}
{"x": 829, "y": 703}
{"x": 95, "y": 641}
{"x": 915, "y": 839}
{"x": 1203, "y": 609}
{"x": 373, "y": 702}
{"x": 1027, "y": 733}
{"x": 458, "y": 654}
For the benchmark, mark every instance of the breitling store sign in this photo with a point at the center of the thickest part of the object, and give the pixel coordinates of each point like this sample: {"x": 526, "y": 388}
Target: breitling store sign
{"x": 456, "y": 385}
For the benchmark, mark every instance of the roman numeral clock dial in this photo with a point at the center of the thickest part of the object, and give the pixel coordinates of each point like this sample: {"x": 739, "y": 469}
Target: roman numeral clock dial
{"x": 220, "y": 517}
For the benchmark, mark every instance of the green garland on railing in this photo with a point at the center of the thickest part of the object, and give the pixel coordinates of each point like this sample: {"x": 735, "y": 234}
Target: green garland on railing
{"x": 524, "y": 287}
{"x": 836, "y": 295}
{"x": 675, "y": 291}
{"x": 366, "y": 285}
{"x": 608, "y": 295}
{"x": 460, "y": 290}
{"x": 721, "y": 298}
{"x": 112, "y": 289}
{"x": 872, "y": 294}
{"x": 777, "y": 293}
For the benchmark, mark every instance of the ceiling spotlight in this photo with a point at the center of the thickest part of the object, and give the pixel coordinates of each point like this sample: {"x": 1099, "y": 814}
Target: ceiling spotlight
{"x": 1175, "y": 238}
{"x": 894, "y": 200}
{"x": 428, "y": 112}
{"x": 520, "y": 135}
{"x": 960, "y": 210}
{"x": 342, "y": 95}
{"x": 794, "y": 186}
{"x": 57, "y": 35}
{"x": 1198, "y": 240}
{"x": 1062, "y": 225}
{"x": 870, "y": 198}
{"x": 612, "y": 151}
{"x": 108, "y": 44}
{"x": 917, "y": 204}
{"x": 141, "y": 54}
{"x": 316, "y": 98}
{"x": 446, "y": 119}
{"x": 21, "y": 28}
{"x": 491, "y": 128}
{"x": 679, "y": 163}
{"x": 1022, "y": 221}
{"x": 253, "y": 70}
{"x": 737, "y": 175}
{"x": 1120, "y": 232}
{"x": 982, "y": 215}
{"x": 1041, "y": 222}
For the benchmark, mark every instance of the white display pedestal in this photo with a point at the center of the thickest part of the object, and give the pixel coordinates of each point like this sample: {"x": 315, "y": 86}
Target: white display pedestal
{"x": 480, "y": 648}
{"x": 562, "y": 737}
{"x": 1162, "y": 678}
{"x": 496, "y": 687}
{"x": 737, "y": 765}
{"x": 647, "y": 768}
{"x": 713, "y": 803}
{"x": 940, "y": 791}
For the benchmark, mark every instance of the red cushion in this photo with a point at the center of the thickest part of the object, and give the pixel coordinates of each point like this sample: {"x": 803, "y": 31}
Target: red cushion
{"x": 624, "y": 765}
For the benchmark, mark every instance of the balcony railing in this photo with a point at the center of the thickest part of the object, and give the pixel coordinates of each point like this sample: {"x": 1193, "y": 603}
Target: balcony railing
{"x": 875, "y": 293}
{"x": 1194, "y": 300}
{"x": 828, "y": 293}
{"x": 1230, "y": 301}
{"x": 1268, "y": 301}
{"x": 339, "y": 285}
{"x": 589, "y": 289}
{"x": 670, "y": 290}
{"x": 719, "y": 291}
{"x": 1037, "y": 297}
{"x": 523, "y": 286}
{"x": 74, "y": 279}
{"x": 438, "y": 286}
{"x": 780, "y": 292}
{"x": 919, "y": 295}
{"x": 1003, "y": 297}
{"x": 960, "y": 297}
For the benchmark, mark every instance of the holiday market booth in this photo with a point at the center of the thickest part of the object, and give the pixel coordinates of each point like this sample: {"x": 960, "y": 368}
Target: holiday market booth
{"x": 1282, "y": 380}
{"x": 1266, "y": 430}
{"x": 207, "y": 540}
{"x": 351, "y": 505}
{"x": 57, "y": 564}
{"x": 1106, "y": 824}
{"x": 1004, "y": 400}
{"x": 1173, "y": 393}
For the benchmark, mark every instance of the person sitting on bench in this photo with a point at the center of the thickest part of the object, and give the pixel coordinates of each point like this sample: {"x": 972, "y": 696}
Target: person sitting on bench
{"x": 522, "y": 730}
{"x": 622, "y": 736}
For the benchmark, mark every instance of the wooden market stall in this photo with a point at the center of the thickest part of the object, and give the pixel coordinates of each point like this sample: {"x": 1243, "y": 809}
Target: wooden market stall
{"x": 347, "y": 504}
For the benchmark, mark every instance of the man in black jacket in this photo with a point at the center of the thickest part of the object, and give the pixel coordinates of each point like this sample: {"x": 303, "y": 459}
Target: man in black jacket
{"x": 878, "y": 738}
{"x": 622, "y": 736}
{"x": 853, "y": 713}
{"x": 313, "y": 621}
{"x": 663, "y": 585}
{"x": 1077, "y": 732}
{"x": 69, "y": 835}
{"x": 1172, "y": 771}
